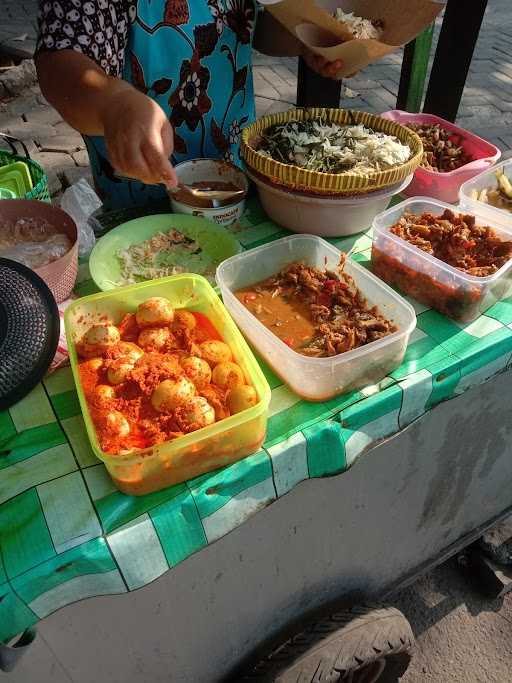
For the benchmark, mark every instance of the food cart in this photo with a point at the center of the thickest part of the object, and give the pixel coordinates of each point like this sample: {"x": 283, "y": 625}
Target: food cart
{"x": 417, "y": 464}
{"x": 347, "y": 501}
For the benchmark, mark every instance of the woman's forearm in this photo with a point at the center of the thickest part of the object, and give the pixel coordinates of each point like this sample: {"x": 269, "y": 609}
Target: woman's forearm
{"x": 138, "y": 134}
{"x": 78, "y": 88}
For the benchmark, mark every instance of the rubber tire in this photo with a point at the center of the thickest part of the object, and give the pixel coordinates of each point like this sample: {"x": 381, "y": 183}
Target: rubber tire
{"x": 327, "y": 651}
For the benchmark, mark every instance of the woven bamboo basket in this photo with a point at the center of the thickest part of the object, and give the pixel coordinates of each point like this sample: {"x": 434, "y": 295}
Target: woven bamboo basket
{"x": 302, "y": 180}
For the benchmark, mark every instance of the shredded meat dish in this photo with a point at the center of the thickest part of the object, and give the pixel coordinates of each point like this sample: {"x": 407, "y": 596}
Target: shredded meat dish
{"x": 443, "y": 150}
{"x": 317, "y": 313}
{"x": 456, "y": 240}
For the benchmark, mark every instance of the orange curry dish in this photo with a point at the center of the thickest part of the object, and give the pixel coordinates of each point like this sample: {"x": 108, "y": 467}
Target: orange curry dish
{"x": 316, "y": 313}
{"x": 157, "y": 375}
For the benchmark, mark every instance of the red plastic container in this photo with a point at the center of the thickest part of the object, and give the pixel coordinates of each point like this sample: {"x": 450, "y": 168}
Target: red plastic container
{"x": 445, "y": 186}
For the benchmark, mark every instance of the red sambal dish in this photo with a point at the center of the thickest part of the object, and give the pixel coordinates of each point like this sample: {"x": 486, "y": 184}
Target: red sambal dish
{"x": 453, "y": 238}
{"x": 316, "y": 313}
{"x": 161, "y": 373}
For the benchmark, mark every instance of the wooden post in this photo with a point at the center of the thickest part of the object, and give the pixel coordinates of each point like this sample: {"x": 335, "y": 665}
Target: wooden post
{"x": 316, "y": 91}
{"x": 457, "y": 40}
{"x": 405, "y": 75}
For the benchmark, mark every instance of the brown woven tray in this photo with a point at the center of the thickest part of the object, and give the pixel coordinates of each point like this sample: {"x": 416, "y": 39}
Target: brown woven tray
{"x": 300, "y": 179}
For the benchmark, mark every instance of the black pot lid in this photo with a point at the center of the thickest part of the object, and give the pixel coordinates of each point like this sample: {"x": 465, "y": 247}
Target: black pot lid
{"x": 29, "y": 331}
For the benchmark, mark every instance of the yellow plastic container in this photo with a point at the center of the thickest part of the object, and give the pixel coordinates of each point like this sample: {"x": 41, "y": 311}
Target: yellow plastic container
{"x": 206, "y": 449}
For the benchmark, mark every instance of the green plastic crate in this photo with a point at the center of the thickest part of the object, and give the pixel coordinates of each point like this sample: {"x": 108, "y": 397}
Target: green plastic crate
{"x": 40, "y": 190}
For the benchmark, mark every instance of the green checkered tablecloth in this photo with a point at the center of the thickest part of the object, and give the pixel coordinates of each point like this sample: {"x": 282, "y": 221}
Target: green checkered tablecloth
{"x": 66, "y": 533}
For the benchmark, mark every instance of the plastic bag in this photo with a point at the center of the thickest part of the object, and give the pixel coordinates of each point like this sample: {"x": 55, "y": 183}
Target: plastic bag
{"x": 37, "y": 254}
{"x": 80, "y": 201}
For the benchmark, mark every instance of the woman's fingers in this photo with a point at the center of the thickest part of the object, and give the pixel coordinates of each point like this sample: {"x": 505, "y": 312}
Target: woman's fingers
{"x": 160, "y": 166}
{"x": 139, "y": 139}
{"x": 144, "y": 159}
{"x": 156, "y": 151}
{"x": 137, "y": 167}
{"x": 322, "y": 65}
{"x": 333, "y": 68}
{"x": 127, "y": 158}
{"x": 330, "y": 69}
{"x": 167, "y": 135}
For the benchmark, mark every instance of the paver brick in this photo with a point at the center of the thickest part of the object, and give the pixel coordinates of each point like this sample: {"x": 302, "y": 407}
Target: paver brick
{"x": 61, "y": 143}
{"x": 385, "y": 96}
{"x": 506, "y": 140}
{"x": 482, "y": 66}
{"x": 45, "y": 115}
{"x": 81, "y": 158}
{"x": 72, "y": 174}
{"x": 272, "y": 77}
{"x": 27, "y": 131}
{"x": 263, "y": 104}
{"x": 263, "y": 88}
{"x": 63, "y": 128}
{"x": 54, "y": 164}
{"x": 379, "y": 103}
{"x": 360, "y": 83}
{"x": 286, "y": 74}
{"x": 390, "y": 86}
{"x": 487, "y": 111}
{"x": 356, "y": 103}
{"x": 276, "y": 107}
{"x": 54, "y": 161}
{"x": 23, "y": 103}
{"x": 504, "y": 106}
{"x": 17, "y": 78}
{"x": 476, "y": 101}
{"x": 31, "y": 146}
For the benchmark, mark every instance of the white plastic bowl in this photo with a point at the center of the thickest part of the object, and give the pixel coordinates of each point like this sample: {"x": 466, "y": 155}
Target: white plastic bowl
{"x": 316, "y": 379}
{"x": 197, "y": 170}
{"x": 325, "y": 216}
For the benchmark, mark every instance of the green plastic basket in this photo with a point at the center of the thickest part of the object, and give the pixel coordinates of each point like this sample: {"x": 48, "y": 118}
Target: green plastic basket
{"x": 40, "y": 190}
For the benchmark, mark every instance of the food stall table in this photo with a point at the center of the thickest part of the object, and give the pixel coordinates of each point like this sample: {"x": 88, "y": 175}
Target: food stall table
{"x": 312, "y": 521}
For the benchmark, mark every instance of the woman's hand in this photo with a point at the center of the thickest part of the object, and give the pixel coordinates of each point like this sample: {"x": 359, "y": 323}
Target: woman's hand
{"x": 139, "y": 137}
{"x": 322, "y": 66}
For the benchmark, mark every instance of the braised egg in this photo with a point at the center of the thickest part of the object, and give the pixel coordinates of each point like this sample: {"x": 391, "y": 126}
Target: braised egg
{"x": 154, "y": 311}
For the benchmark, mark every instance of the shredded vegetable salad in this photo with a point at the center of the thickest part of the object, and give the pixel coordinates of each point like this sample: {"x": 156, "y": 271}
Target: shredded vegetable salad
{"x": 330, "y": 148}
{"x": 164, "y": 254}
{"x": 361, "y": 28}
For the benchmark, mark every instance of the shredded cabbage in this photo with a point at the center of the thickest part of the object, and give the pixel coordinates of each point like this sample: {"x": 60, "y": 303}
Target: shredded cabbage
{"x": 162, "y": 255}
{"x": 361, "y": 28}
{"x": 331, "y": 148}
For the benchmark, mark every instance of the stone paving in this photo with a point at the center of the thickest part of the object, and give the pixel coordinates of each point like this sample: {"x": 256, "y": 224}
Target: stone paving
{"x": 486, "y": 108}
{"x": 18, "y": 27}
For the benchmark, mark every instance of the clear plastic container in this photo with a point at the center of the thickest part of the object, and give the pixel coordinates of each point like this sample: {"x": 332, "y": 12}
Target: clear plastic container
{"x": 426, "y": 278}
{"x": 206, "y": 449}
{"x": 316, "y": 379}
{"x": 487, "y": 179}
{"x": 445, "y": 186}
